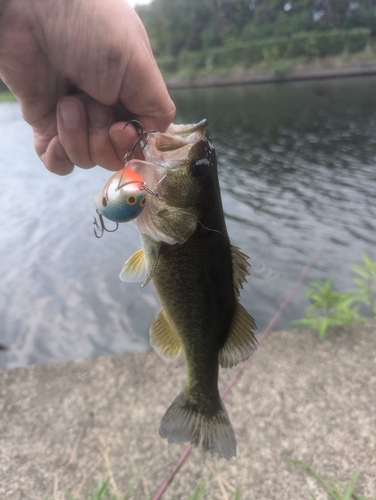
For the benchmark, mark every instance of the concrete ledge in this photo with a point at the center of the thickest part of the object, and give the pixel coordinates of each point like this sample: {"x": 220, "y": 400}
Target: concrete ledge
{"x": 64, "y": 423}
{"x": 311, "y": 71}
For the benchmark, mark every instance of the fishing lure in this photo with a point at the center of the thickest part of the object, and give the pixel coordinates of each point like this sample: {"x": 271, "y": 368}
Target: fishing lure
{"x": 123, "y": 197}
{"x": 126, "y": 193}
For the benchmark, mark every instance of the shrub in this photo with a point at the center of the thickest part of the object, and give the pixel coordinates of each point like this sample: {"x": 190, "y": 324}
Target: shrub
{"x": 317, "y": 44}
{"x": 330, "y": 42}
{"x": 194, "y": 60}
{"x": 228, "y": 56}
{"x": 357, "y": 39}
{"x": 168, "y": 64}
{"x": 268, "y": 49}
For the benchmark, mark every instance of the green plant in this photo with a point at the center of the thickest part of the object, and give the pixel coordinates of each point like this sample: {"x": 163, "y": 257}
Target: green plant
{"x": 358, "y": 39}
{"x": 335, "y": 489}
{"x": 237, "y": 493}
{"x": 319, "y": 44}
{"x": 167, "y": 64}
{"x": 328, "y": 308}
{"x": 366, "y": 282}
{"x": 6, "y": 95}
{"x": 281, "y": 67}
{"x": 102, "y": 490}
{"x": 198, "y": 492}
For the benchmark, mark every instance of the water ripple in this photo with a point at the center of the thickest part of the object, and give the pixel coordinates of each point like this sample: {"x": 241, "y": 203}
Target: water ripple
{"x": 293, "y": 159}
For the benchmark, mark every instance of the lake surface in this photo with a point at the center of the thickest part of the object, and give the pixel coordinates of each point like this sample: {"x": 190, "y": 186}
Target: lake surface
{"x": 293, "y": 159}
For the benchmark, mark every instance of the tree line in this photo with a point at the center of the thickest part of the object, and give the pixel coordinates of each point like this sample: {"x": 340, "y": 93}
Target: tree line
{"x": 176, "y": 26}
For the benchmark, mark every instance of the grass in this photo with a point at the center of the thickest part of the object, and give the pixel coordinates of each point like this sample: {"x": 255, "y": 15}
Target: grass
{"x": 330, "y": 307}
{"x": 278, "y": 66}
{"x": 102, "y": 491}
{"x": 334, "y": 488}
{"x": 6, "y": 96}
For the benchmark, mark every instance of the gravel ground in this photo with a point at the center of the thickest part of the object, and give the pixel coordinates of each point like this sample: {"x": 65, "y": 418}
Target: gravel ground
{"x": 67, "y": 423}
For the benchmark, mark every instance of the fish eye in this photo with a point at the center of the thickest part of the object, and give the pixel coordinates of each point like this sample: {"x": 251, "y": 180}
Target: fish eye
{"x": 131, "y": 199}
{"x": 143, "y": 201}
{"x": 104, "y": 201}
{"x": 200, "y": 168}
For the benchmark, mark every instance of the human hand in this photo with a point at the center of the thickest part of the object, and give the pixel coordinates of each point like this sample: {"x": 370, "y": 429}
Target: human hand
{"x": 80, "y": 69}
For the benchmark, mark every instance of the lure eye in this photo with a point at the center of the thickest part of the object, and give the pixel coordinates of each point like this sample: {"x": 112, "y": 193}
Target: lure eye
{"x": 131, "y": 200}
{"x": 104, "y": 202}
{"x": 143, "y": 201}
{"x": 200, "y": 168}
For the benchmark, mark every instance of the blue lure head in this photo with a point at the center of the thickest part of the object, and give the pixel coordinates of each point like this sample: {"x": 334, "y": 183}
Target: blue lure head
{"x": 123, "y": 197}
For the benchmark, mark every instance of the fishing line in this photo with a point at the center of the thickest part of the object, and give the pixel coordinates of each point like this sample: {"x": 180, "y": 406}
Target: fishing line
{"x": 178, "y": 465}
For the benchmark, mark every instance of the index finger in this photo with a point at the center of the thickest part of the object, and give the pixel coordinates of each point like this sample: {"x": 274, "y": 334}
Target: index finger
{"x": 143, "y": 91}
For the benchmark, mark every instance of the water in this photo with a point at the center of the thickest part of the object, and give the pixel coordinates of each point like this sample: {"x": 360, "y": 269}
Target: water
{"x": 293, "y": 159}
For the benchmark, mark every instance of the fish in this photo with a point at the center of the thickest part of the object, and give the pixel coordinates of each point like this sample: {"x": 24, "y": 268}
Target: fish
{"x": 122, "y": 199}
{"x": 197, "y": 275}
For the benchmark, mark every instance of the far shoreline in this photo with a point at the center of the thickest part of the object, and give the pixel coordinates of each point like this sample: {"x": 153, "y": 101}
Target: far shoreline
{"x": 316, "y": 70}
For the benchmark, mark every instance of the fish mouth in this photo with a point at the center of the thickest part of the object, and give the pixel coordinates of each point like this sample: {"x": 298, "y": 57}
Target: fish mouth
{"x": 187, "y": 130}
{"x": 173, "y": 147}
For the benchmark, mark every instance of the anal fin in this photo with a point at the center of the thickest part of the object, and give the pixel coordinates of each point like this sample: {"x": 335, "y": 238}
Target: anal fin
{"x": 241, "y": 342}
{"x": 163, "y": 337}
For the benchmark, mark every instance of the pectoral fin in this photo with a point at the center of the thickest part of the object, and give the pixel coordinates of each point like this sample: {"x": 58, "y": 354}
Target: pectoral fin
{"x": 164, "y": 338}
{"x": 178, "y": 223}
{"x": 241, "y": 342}
{"x": 137, "y": 269}
{"x": 239, "y": 268}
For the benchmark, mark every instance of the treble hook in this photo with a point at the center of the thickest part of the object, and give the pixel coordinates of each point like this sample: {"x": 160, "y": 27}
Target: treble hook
{"x": 101, "y": 226}
{"x": 141, "y": 134}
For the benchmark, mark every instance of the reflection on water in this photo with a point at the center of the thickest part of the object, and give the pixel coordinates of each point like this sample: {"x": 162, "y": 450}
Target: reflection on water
{"x": 293, "y": 159}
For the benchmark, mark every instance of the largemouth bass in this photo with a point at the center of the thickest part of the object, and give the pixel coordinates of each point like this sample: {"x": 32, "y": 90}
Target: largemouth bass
{"x": 197, "y": 275}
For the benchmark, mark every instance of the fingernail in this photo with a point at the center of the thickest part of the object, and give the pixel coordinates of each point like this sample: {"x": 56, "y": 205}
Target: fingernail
{"x": 60, "y": 152}
{"x": 71, "y": 114}
{"x": 98, "y": 115}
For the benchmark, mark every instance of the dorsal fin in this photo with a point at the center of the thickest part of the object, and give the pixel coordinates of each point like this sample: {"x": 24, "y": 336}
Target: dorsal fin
{"x": 164, "y": 338}
{"x": 239, "y": 269}
{"x": 241, "y": 342}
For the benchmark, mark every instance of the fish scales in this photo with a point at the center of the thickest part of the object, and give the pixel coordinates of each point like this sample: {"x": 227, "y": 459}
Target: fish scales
{"x": 196, "y": 274}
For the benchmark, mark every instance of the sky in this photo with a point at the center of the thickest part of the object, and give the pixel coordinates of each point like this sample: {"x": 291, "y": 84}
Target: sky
{"x": 138, "y": 2}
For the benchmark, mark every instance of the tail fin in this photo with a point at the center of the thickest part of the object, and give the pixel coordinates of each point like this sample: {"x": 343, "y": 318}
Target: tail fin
{"x": 182, "y": 423}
